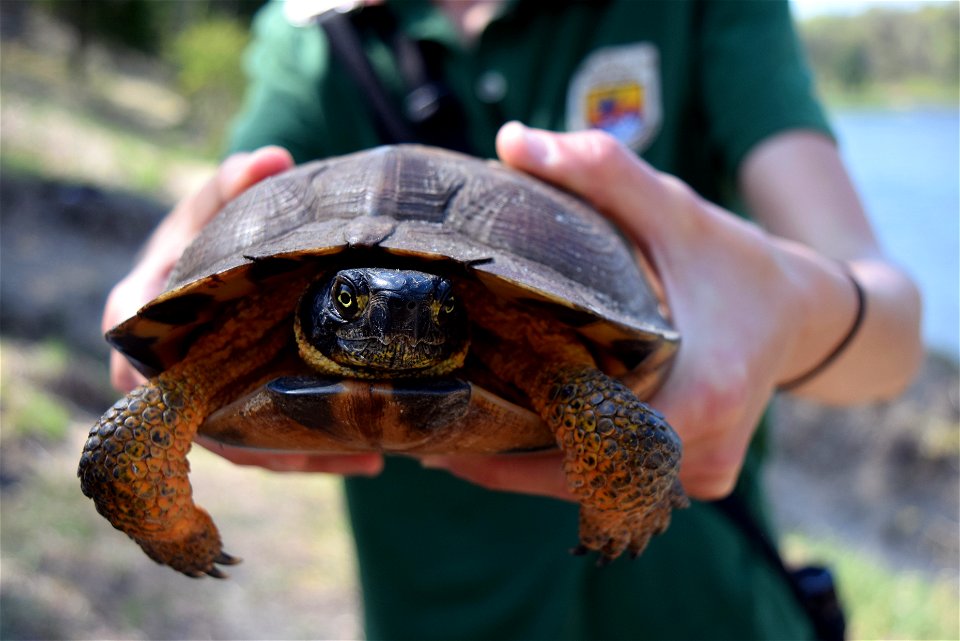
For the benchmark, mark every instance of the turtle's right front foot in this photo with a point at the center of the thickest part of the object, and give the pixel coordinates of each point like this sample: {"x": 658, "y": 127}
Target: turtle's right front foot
{"x": 134, "y": 466}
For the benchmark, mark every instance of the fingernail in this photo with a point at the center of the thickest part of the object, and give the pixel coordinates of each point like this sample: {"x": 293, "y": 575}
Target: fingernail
{"x": 537, "y": 145}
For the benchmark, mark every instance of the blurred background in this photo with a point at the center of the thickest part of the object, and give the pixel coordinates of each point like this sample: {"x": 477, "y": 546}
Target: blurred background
{"x": 110, "y": 110}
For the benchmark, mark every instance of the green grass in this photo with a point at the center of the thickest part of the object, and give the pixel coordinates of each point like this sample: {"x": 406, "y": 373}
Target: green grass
{"x": 26, "y": 408}
{"x": 22, "y": 161}
{"x": 37, "y": 414}
{"x": 882, "y": 604}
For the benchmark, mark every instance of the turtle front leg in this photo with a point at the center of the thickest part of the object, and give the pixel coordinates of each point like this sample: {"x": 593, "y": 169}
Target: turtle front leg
{"x": 621, "y": 459}
{"x": 134, "y": 466}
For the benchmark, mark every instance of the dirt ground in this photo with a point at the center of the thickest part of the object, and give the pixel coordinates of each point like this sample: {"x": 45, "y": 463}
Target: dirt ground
{"x": 65, "y": 572}
{"x": 885, "y": 477}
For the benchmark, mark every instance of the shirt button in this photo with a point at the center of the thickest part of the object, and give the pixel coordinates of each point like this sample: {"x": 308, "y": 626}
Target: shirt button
{"x": 491, "y": 86}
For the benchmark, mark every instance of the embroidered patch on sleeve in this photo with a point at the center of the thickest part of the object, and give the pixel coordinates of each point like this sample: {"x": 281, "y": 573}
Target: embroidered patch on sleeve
{"x": 617, "y": 89}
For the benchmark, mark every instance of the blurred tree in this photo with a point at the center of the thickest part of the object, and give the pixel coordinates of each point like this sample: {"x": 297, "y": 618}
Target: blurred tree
{"x": 143, "y": 25}
{"x": 131, "y": 23}
{"x": 886, "y": 46}
{"x": 207, "y": 56}
{"x": 853, "y": 66}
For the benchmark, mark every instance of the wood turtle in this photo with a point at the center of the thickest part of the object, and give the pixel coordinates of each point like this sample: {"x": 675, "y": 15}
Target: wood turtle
{"x": 404, "y": 300}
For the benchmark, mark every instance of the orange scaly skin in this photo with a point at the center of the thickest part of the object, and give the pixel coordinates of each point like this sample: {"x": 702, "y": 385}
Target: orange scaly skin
{"x": 621, "y": 458}
{"x": 134, "y": 464}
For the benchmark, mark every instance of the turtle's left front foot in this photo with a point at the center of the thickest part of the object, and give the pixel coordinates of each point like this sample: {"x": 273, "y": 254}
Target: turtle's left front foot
{"x": 194, "y": 549}
{"x": 612, "y": 532}
{"x": 622, "y": 461}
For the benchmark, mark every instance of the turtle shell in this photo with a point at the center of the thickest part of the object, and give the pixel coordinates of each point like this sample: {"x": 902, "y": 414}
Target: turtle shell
{"x": 418, "y": 207}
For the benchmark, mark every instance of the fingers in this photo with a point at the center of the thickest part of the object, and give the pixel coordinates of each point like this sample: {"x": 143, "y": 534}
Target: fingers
{"x": 147, "y": 279}
{"x": 539, "y": 473}
{"x": 124, "y": 300}
{"x": 593, "y": 165}
{"x": 363, "y": 464}
{"x": 235, "y": 175}
{"x": 711, "y": 479}
{"x": 123, "y": 377}
{"x": 242, "y": 170}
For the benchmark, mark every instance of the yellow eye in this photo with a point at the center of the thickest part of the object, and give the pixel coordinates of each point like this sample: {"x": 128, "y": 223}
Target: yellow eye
{"x": 346, "y": 299}
{"x": 449, "y": 305}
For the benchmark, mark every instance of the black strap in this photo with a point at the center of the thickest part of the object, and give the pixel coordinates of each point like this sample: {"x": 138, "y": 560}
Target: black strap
{"x": 431, "y": 114}
{"x": 345, "y": 46}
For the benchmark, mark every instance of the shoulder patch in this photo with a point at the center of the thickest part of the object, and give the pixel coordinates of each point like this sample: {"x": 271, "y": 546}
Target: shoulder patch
{"x": 617, "y": 89}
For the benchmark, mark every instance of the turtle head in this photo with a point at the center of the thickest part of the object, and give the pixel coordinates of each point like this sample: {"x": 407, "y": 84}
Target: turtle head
{"x": 382, "y": 323}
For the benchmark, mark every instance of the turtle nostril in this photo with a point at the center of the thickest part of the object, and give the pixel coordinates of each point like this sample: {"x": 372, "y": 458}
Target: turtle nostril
{"x": 411, "y": 305}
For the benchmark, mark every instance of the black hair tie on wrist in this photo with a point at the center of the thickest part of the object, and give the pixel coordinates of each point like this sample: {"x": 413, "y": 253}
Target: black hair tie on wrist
{"x": 839, "y": 349}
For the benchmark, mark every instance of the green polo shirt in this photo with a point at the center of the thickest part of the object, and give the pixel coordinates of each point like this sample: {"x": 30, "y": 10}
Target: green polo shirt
{"x": 438, "y": 557}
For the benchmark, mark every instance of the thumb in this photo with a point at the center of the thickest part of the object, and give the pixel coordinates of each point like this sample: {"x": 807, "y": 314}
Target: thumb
{"x": 235, "y": 175}
{"x": 595, "y": 166}
{"x": 242, "y": 170}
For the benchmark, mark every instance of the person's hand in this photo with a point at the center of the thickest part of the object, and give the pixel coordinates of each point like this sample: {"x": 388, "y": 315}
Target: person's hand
{"x": 147, "y": 279}
{"x": 735, "y": 293}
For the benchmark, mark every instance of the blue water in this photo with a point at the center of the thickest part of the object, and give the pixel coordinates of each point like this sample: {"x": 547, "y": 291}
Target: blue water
{"x": 907, "y": 168}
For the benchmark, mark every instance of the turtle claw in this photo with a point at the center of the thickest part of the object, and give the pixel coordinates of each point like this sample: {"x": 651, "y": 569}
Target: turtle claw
{"x": 217, "y": 573}
{"x": 621, "y": 459}
{"x": 196, "y": 552}
{"x": 222, "y": 558}
{"x": 603, "y": 560}
{"x": 213, "y": 571}
{"x": 226, "y": 559}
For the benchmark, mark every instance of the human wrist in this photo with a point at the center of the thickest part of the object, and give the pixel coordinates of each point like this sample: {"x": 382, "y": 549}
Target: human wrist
{"x": 829, "y": 309}
{"x": 827, "y": 361}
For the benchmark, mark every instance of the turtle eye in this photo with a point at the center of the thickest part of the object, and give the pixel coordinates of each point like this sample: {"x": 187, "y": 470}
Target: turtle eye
{"x": 345, "y": 299}
{"x": 446, "y": 302}
{"x": 449, "y": 305}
